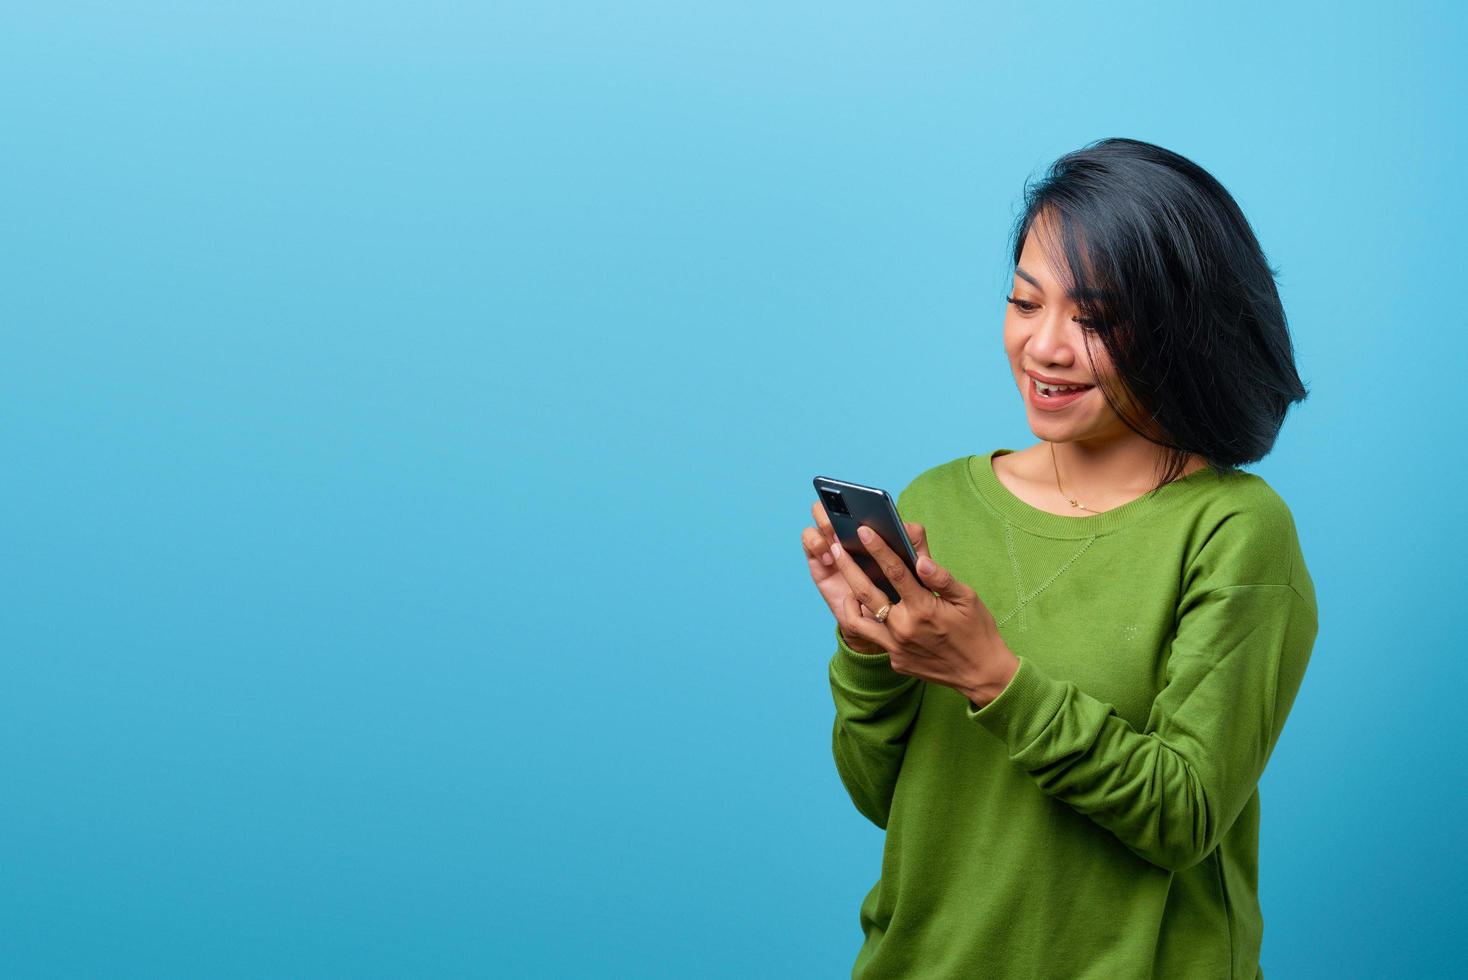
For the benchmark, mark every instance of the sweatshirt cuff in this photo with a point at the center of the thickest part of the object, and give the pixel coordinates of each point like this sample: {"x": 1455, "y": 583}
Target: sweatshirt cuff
{"x": 865, "y": 671}
{"x": 1022, "y": 711}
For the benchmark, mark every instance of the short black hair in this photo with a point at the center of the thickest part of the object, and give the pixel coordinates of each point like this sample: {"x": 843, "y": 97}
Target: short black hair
{"x": 1181, "y": 296}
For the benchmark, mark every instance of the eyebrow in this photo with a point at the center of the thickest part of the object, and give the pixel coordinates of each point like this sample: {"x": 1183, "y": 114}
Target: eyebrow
{"x": 1093, "y": 294}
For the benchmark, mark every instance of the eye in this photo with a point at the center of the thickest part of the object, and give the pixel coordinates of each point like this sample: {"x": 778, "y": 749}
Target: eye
{"x": 1025, "y": 306}
{"x": 1091, "y": 318}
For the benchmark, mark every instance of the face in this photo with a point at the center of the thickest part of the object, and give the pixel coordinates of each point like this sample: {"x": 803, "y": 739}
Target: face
{"x": 1045, "y": 334}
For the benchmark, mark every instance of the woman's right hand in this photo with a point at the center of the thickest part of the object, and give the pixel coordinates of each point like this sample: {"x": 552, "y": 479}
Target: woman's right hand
{"x": 816, "y": 541}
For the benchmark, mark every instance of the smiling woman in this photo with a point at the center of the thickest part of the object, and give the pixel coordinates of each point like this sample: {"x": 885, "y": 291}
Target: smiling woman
{"x": 1062, "y": 726}
{"x": 1136, "y": 273}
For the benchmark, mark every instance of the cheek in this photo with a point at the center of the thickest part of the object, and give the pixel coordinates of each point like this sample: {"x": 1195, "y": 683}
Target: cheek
{"x": 1014, "y": 339}
{"x": 1100, "y": 365}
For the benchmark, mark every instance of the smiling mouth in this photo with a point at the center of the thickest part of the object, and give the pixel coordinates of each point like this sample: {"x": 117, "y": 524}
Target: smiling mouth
{"x": 1043, "y": 390}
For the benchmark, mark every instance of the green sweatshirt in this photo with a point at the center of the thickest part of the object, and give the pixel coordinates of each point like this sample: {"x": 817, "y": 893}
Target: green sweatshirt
{"x": 1100, "y": 817}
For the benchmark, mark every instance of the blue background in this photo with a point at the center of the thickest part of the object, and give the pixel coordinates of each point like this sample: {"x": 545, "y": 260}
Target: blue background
{"x": 409, "y": 414}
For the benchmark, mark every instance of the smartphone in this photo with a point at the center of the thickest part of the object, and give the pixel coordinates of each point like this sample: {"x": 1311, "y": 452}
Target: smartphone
{"x": 849, "y": 506}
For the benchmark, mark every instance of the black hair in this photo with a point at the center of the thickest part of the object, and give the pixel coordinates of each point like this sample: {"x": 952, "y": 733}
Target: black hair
{"x": 1180, "y": 295}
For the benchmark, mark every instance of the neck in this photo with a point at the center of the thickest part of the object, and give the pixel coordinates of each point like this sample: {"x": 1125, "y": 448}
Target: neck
{"x": 1092, "y": 469}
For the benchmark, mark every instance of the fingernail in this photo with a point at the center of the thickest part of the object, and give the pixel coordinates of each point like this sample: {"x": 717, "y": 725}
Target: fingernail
{"x": 865, "y": 533}
{"x": 925, "y": 566}
{"x": 827, "y": 558}
{"x": 835, "y": 549}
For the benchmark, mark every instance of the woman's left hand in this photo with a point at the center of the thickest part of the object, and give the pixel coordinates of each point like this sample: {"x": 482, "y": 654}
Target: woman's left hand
{"x": 939, "y": 630}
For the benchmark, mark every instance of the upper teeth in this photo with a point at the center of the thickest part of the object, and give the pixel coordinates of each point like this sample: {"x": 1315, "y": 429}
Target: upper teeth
{"x": 1049, "y": 388}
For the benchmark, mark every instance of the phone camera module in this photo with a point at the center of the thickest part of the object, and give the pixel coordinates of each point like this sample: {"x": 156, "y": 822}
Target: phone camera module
{"x": 834, "y": 504}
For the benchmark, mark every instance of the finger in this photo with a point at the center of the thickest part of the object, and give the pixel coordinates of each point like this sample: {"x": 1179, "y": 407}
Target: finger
{"x": 816, "y": 548}
{"x": 855, "y": 623}
{"x": 941, "y": 581}
{"x": 918, "y": 535}
{"x": 823, "y": 521}
{"x": 892, "y": 566}
{"x": 861, "y": 586}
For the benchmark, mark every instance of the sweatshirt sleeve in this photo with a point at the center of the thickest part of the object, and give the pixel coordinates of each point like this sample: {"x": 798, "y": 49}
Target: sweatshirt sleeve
{"x": 875, "y": 709}
{"x": 1170, "y": 792}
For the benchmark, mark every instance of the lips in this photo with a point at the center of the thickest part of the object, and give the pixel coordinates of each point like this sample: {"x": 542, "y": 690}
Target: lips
{"x": 1055, "y": 381}
{"x": 1052, "y": 403}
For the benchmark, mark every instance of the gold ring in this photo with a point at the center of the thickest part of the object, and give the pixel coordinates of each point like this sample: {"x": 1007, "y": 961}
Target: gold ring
{"x": 881, "y": 614}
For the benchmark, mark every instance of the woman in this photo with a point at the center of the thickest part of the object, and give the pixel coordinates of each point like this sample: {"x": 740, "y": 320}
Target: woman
{"x": 1062, "y": 725}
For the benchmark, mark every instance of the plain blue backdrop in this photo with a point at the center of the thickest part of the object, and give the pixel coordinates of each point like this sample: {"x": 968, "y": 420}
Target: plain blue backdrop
{"x": 409, "y": 413}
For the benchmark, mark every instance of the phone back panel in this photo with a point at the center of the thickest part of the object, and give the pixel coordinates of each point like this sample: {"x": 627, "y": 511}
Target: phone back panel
{"x": 874, "y": 508}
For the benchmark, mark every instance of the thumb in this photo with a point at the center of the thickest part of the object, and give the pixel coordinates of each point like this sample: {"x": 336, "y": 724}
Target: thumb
{"x": 939, "y": 579}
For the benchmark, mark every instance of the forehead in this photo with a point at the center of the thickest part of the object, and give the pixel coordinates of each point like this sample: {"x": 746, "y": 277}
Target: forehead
{"x": 1043, "y": 266}
{"x": 1043, "y": 254}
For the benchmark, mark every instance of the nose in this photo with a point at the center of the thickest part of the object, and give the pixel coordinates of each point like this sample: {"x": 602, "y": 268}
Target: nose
{"x": 1053, "y": 340}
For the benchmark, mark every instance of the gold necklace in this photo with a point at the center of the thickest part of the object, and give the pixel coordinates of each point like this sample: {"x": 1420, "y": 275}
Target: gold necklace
{"x": 1073, "y": 501}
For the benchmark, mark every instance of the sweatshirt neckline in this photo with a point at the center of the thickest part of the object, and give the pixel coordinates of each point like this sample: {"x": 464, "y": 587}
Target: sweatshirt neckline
{"x": 981, "y": 474}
